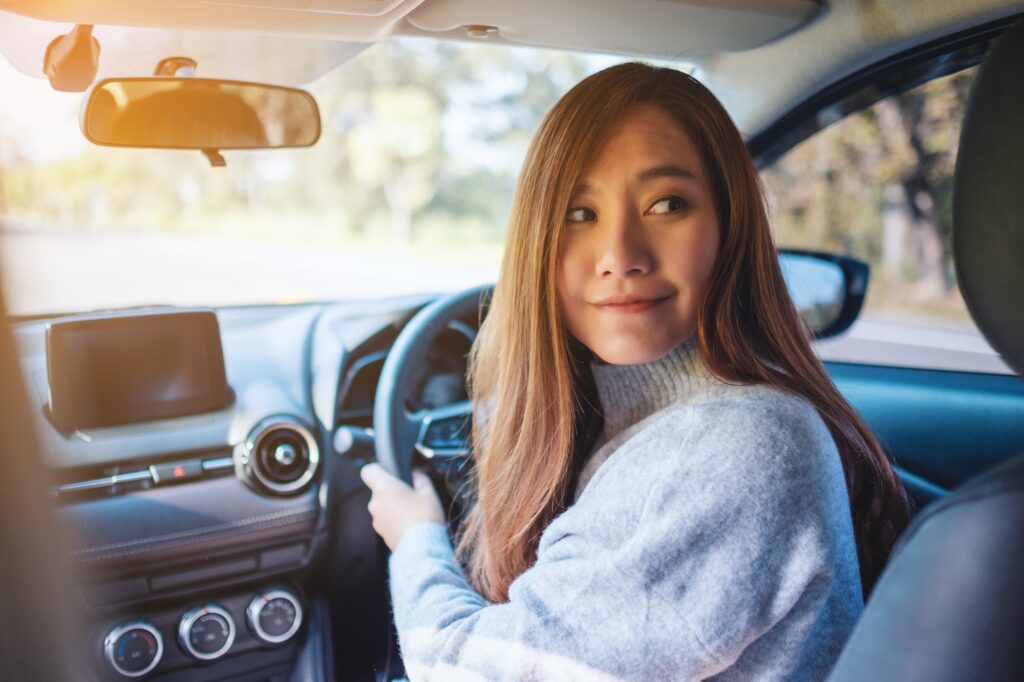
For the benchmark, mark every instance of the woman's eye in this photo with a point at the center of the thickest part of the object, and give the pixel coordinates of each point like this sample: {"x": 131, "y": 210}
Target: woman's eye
{"x": 667, "y": 205}
{"x": 579, "y": 215}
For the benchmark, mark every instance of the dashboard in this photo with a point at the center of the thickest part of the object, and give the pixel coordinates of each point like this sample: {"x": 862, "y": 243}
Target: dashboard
{"x": 205, "y": 476}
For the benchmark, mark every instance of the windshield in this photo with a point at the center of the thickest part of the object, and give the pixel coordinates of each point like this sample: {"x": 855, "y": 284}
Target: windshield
{"x": 407, "y": 190}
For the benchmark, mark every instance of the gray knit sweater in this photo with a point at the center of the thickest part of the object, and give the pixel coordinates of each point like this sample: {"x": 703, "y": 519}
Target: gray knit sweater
{"x": 710, "y": 538}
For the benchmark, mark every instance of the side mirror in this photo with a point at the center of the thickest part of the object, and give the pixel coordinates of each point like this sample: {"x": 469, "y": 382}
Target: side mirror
{"x": 828, "y": 290}
{"x": 198, "y": 113}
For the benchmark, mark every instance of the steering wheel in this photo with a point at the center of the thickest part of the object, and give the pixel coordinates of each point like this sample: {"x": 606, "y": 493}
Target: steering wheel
{"x": 438, "y": 434}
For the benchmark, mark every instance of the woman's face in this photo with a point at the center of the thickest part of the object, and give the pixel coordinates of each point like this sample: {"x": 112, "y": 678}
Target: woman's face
{"x": 639, "y": 243}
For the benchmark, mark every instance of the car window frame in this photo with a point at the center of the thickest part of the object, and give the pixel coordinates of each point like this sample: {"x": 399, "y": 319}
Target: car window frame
{"x": 888, "y": 77}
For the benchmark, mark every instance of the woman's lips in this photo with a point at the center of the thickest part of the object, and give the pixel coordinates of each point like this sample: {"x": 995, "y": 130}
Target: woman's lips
{"x": 629, "y": 304}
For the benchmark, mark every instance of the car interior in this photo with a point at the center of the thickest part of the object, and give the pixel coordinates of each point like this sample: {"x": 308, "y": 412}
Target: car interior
{"x": 184, "y": 499}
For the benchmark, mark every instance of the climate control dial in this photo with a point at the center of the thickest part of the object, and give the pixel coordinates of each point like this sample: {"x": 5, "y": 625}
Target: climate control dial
{"x": 133, "y": 649}
{"x": 274, "y": 616}
{"x": 206, "y": 632}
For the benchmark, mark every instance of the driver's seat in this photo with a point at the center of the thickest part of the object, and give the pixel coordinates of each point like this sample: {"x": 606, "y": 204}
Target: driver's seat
{"x": 950, "y": 604}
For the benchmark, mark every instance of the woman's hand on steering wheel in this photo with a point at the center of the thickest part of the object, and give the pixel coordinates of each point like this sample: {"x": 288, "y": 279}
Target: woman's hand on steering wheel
{"x": 396, "y": 506}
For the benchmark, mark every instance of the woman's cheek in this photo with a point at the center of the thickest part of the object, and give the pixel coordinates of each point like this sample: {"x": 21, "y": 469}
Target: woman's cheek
{"x": 569, "y": 288}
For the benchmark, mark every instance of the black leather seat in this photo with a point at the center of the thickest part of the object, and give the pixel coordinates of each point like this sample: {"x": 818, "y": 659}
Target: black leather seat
{"x": 950, "y": 604}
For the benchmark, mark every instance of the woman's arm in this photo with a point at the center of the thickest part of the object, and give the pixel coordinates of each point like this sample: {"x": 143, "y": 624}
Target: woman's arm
{"x": 736, "y": 560}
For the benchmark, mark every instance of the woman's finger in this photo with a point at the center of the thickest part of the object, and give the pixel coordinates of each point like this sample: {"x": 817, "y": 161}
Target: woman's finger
{"x": 378, "y": 478}
{"x": 369, "y": 474}
{"x": 420, "y": 480}
{"x": 375, "y": 476}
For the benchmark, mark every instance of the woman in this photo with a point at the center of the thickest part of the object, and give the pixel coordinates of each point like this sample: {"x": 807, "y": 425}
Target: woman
{"x": 668, "y": 486}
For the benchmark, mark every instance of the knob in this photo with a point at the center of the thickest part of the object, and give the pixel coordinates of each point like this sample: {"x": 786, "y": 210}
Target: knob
{"x": 274, "y": 616}
{"x": 353, "y": 441}
{"x": 133, "y": 649}
{"x": 206, "y": 632}
{"x": 285, "y": 455}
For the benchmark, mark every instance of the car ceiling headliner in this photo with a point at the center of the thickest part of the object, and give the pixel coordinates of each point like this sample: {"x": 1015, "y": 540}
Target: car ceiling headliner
{"x": 761, "y": 57}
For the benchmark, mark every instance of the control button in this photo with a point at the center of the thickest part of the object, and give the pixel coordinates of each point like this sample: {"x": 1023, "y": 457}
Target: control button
{"x": 133, "y": 649}
{"x": 447, "y": 433}
{"x": 274, "y": 616}
{"x": 175, "y": 472}
{"x": 206, "y": 632}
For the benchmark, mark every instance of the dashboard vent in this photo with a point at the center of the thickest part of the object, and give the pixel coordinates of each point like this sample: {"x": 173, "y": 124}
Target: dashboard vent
{"x": 280, "y": 455}
{"x": 357, "y": 388}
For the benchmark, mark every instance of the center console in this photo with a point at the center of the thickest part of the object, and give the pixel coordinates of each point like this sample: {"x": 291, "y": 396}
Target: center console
{"x": 189, "y": 492}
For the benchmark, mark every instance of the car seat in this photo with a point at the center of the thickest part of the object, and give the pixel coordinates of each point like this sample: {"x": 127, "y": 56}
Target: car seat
{"x": 950, "y": 603}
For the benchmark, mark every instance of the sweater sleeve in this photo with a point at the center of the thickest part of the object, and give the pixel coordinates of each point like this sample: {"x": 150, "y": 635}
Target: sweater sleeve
{"x": 737, "y": 531}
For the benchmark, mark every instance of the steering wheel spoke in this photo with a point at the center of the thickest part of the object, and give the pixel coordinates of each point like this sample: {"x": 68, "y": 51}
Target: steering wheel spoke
{"x": 439, "y": 434}
{"x": 444, "y": 432}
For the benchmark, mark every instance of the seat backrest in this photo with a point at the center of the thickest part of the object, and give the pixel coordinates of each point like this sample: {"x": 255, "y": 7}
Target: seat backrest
{"x": 950, "y": 604}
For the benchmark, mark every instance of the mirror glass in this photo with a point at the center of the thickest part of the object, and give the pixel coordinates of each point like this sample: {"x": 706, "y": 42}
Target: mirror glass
{"x": 817, "y": 287}
{"x": 198, "y": 113}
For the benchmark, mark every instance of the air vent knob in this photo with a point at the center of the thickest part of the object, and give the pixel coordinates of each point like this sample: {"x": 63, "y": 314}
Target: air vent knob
{"x": 285, "y": 455}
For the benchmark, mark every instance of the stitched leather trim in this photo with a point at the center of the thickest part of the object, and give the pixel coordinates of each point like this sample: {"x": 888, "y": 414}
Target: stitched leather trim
{"x": 193, "y": 536}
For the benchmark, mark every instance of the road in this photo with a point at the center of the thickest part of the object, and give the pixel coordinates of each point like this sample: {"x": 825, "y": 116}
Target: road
{"x": 52, "y": 270}
{"x": 65, "y": 271}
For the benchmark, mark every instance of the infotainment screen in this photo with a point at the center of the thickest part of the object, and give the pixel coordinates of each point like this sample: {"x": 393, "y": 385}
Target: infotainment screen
{"x": 113, "y": 369}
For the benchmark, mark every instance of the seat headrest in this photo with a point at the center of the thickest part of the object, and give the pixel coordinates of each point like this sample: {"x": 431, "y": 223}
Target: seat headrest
{"x": 988, "y": 199}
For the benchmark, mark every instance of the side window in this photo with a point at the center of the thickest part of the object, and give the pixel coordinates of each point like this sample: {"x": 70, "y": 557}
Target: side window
{"x": 878, "y": 185}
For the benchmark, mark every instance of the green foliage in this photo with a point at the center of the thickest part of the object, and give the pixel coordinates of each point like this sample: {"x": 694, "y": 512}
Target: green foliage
{"x": 878, "y": 185}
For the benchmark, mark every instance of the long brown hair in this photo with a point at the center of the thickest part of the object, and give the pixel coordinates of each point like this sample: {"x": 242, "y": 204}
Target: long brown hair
{"x": 531, "y": 381}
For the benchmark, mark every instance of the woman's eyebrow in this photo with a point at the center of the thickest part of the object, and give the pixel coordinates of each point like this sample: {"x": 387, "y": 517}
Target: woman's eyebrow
{"x": 582, "y": 187}
{"x": 664, "y": 171}
{"x": 667, "y": 170}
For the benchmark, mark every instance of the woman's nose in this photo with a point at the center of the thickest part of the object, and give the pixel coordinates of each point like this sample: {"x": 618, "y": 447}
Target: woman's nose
{"x": 623, "y": 249}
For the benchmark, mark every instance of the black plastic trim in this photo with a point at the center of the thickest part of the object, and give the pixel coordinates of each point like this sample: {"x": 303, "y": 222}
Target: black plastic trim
{"x": 172, "y": 523}
{"x": 899, "y": 73}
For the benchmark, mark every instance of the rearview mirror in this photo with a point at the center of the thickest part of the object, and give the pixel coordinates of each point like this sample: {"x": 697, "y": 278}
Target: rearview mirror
{"x": 198, "y": 113}
{"x": 828, "y": 290}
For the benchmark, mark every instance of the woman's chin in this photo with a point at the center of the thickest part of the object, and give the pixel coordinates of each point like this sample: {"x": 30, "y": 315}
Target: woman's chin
{"x": 631, "y": 351}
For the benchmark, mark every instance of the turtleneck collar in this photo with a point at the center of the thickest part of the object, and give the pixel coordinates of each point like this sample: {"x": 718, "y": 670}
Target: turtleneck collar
{"x": 630, "y": 393}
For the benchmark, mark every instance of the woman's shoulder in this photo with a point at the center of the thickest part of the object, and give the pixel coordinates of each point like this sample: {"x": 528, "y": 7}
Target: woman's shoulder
{"x": 750, "y": 437}
{"x": 754, "y": 430}
{"x": 739, "y": 409}
{"x": 759, "y": 406}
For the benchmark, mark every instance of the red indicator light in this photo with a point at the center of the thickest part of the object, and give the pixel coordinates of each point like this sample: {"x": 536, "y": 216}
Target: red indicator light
{"x": 178, "y": 471}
